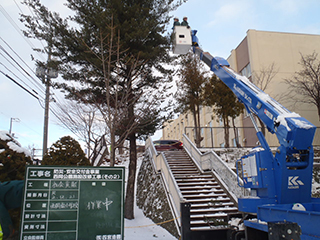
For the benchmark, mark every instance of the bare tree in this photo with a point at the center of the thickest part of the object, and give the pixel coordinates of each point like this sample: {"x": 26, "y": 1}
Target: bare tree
{"x": 306, "y": 82}
{"x": 264, "y": 76}
{"x": 85, "y": 121}
{"x": 262, "y": 79}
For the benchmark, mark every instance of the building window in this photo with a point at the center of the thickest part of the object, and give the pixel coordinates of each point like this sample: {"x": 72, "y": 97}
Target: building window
{"x": 246, "y": 71}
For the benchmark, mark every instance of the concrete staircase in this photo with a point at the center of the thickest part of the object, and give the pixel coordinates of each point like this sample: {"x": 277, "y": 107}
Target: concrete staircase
{"x": 210, "y": 204}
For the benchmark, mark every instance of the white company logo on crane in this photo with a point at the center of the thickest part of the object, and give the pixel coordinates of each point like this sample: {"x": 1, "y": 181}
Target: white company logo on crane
{"x": 294, "y": 183}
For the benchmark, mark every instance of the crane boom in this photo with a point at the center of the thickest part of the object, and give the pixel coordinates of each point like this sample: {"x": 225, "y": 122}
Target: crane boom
{"x": 277, "y": 181}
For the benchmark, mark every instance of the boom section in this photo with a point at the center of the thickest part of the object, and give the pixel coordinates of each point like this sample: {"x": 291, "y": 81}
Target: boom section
{"x": 292, "y": 130}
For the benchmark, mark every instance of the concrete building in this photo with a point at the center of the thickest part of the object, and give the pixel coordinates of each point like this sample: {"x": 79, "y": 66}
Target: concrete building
{"x": 258, "y": 52}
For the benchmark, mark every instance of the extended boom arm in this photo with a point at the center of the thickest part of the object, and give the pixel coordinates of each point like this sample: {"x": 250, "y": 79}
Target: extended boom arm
{"x": 279, "y": 181}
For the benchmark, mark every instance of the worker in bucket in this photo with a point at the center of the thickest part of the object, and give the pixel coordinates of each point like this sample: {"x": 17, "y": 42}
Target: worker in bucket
{"x": 176, "y": 22}
{"x": 185, "y": 22}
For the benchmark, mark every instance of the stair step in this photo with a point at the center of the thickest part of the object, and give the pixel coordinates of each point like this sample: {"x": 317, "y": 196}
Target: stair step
{"x": 210, "y": 204}
{"x": 205, "y": 191}
{"x": 212, "y": 210}
{"x": 202, "y": 195}
{"x": 210, "y": 200}
{"x": 199, "y": 184}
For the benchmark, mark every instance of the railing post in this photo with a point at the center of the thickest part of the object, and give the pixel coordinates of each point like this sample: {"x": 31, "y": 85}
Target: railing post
{"x": 185, "y": 221}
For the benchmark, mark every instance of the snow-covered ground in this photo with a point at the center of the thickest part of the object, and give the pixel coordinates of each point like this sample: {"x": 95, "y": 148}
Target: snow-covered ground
{"x": 142, "y": 227}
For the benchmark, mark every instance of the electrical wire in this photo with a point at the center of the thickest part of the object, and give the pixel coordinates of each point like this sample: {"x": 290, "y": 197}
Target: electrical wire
{"x": 35, "y": 81}
{"x": 18, "y": 78}
{"x": 19, "y": 85}
{"x": 38, "y": 86}
{"x": 11, "y": 21}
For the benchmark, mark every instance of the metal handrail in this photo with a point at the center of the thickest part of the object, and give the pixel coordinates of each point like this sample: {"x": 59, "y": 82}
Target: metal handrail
{"x": 211, "y": 161}
{"x": 161, "y": 166}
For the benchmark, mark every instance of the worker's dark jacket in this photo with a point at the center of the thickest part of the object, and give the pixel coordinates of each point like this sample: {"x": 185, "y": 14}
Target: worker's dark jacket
{"x": 10, "y": 198}
{"x": 184, "y": 23}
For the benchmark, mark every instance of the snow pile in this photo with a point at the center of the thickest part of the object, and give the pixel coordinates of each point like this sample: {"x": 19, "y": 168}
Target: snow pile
{"x": 282, "y": 119}
{"x": 12, "y": 143}
{"x": 237, "y": 222}
{"x": 315, "y": 187}
{"x": 303, "y": 124}
{"x": 5, "y": 136}
{"x": 141, "y": 227}
{"x": 231, "y": 155}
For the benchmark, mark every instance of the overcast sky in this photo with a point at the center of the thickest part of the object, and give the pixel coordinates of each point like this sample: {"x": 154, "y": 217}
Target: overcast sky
{"x": 221, "y": 26}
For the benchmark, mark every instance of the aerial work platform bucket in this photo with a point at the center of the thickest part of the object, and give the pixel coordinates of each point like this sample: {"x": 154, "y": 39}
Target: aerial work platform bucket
{"x": 181, "y": 40}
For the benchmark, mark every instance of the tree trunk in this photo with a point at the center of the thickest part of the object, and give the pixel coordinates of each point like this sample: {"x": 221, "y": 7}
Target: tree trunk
{"x": 226, "y": 132}
{"x": 129, "y": 203}
{"x": 112, "y": 149}
{"x": 197, "y": 134}
{"x": 120, "y": 148}
{"x": 236, "y": 136}
{"x": 199, "y": 126}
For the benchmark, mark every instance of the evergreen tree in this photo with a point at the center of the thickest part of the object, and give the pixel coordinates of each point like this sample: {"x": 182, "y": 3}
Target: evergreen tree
{"x": 66, "y": 151}
{"x": 226, "y": 104}
{"x": 13, "y": 159}
{"x": 190, "y": 90}
{"x": 89, "y": 58}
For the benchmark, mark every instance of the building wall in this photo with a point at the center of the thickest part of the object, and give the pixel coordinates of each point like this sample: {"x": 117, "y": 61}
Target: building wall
{"x": 257, "y": 51}
{"x": 284, "y": 50}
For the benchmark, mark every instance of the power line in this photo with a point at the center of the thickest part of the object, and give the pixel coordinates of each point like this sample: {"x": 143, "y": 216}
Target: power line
{"x": 36, "y": 82}
{"x": 38, "y": 85}
{"x": 18, "y": 6}
{"x": 11, "y": 21}
{"x": 19, "y": 85}
{"x": 18, "y": 78}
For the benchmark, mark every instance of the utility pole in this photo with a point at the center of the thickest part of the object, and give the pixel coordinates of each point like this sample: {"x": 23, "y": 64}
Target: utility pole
{"x": 46, "y": 116}
{"x": 46, "y": 74}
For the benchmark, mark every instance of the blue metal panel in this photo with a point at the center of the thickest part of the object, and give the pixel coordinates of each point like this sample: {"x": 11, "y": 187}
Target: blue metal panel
{"x": 250, "y": 204}
{"x": 293, "y": 176}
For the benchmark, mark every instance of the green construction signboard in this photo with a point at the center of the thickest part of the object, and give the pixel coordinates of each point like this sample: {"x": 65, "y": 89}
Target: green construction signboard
{"x": 73, "y": 203}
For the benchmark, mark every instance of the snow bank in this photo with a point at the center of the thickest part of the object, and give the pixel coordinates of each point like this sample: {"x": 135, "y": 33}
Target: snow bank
{"x": 141, "y": 227}
{"x": 5, "y": 136}
{"x": 13, "y": 144}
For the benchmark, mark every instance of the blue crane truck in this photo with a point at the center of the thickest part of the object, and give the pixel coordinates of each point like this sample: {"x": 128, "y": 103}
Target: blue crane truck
{"x": 280, "y": 184}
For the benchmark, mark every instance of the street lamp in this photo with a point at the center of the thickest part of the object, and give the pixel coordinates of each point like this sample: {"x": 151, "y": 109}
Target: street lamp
{"x": 13, "y": 120}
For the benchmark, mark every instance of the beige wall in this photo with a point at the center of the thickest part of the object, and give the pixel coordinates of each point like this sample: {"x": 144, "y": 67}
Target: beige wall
{"x": 260, "y": 49}
{"x": 284, "y": 50}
